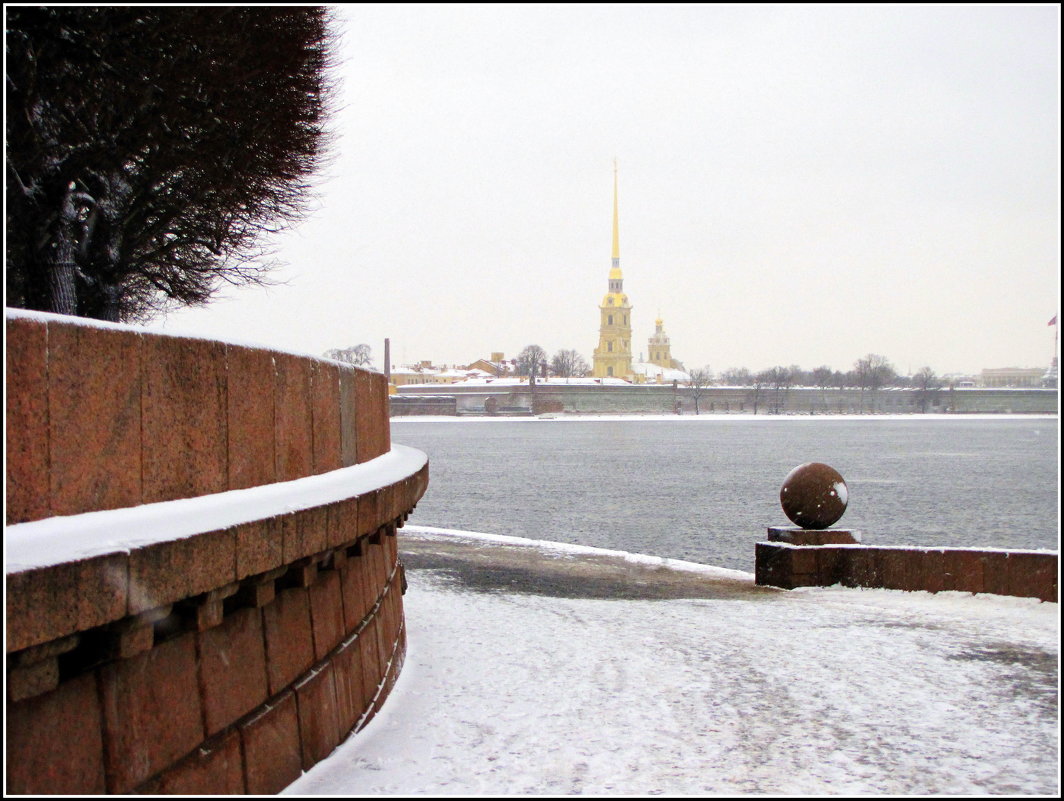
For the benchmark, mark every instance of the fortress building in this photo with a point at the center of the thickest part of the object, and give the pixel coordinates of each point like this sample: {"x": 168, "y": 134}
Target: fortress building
{"x": 613, "y": 356}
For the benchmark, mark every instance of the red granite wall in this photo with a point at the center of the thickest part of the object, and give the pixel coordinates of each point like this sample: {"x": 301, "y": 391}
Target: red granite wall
{"x": 108, "y": 417}
{"x": 224, "y": 662}
{"x": 1025, "y": 574}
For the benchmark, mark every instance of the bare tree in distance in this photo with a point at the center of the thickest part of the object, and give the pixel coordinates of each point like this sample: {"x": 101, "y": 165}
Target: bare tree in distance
{"x": 529, "y": 359}
{"x": 779, "y": 378}
{"x": 926, "y": 386}
{"x": 758, "y": 382}
{"x": 358, "y": 355}
{"x": 736, "y": 377}
{"x": 822, "y": 378}
{"x": 151, "y": 150}
{"x": 568, "y": 364}
{"x": 699, "y": 382}
{"x": 873, "y": 372}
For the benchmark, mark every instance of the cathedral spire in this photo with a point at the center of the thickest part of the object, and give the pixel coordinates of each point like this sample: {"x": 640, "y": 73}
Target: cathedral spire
{"x": 616, "y": 226}
{"x": 613, "y": 356}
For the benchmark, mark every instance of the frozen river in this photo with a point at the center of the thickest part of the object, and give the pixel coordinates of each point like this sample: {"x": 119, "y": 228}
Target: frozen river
{"x": 704, "y": 489}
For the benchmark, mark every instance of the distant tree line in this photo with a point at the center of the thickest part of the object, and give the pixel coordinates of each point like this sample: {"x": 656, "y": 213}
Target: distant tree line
{"x": 869, "y": 374}
{"x": 768, "y": 388}
{"x": 565, "y": 363}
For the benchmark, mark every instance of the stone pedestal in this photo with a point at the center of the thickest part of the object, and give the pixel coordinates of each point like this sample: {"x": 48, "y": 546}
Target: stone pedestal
{"x": 808, "y": 536}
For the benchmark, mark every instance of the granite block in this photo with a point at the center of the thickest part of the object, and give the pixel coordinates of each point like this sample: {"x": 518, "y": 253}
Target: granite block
{"x": 293, "y": 417}
{"x": 26, "y": 388}
{"x": 184, "y": 398}
{"x": 67, "y": 765}
{"x": 172, "y": 570}
{"x": 151, "y": 712}
{"x": 272, "y": 752}
{"x": 319, "y": 721}
{"x": 348, "y": 417}
{"x": 95, "y": 419}
{"x": 326, "y": 423}
{"x": 289, "y": 638}
{"x": 251, "y": 427}
{"x": 232, "y": 667}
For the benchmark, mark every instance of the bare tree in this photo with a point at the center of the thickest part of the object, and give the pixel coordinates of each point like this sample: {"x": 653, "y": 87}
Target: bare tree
{"x": 779, "y": 378}
{"x": 358, "y": 355}
{"x": 758, "y": 382}
{"x": 568, "y": 364}
{"x": 926, "y": 386}
{"x": 699, "y": 382}
{"x": 529, "y": 360}
{"x": 822, "y": 378}
{"x": 152, "y": 149}
{"x": 873, "y": 372}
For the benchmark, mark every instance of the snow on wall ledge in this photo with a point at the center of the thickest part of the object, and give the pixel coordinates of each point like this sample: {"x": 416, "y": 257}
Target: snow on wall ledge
{"x": 201, "y": 564}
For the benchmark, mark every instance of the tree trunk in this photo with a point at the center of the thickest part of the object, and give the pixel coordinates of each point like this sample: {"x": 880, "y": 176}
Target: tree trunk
{"x": 60, "y": 266}
{"x": 62, "y": 289}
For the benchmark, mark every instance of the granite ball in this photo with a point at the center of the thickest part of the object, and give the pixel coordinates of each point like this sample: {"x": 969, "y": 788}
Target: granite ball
{"x": 814, "y": 495}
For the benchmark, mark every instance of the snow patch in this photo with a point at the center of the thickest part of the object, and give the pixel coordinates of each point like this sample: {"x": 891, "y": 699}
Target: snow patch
{"x": 56, "y": 540}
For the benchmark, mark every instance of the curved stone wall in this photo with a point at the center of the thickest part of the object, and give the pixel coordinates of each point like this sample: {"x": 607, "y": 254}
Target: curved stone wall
{"x": 202, "y": 575}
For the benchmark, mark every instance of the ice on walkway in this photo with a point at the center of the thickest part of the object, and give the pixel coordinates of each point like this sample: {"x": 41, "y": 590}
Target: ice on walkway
{"x": 816, "y": 691}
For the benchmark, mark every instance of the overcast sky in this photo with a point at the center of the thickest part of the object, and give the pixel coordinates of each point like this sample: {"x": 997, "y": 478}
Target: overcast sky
{"x": 798, "y": 185}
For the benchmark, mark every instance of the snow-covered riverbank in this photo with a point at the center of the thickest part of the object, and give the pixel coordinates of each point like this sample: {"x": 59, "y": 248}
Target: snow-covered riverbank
{"x": 514, "y": 687}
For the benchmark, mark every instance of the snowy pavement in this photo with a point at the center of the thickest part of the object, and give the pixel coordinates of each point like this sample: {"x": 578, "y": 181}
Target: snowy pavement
{"x": 548, "y": 669}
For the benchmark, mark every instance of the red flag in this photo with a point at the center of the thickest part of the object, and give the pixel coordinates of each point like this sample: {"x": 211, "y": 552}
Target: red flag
{"x": 1054, "y": 320}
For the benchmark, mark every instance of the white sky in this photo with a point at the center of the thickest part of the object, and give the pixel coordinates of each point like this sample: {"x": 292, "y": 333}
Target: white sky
{"x": 798, "y": 185}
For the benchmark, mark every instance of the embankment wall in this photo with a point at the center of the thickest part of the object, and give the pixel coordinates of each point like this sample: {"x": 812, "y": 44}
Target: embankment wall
{"x": 204, "y": 593}
{"x": 666, "y": 399}
{"x": 1026, "y": 574}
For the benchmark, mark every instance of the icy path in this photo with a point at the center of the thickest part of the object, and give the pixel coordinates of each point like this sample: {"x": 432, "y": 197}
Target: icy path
{"x": 819, "y": 691}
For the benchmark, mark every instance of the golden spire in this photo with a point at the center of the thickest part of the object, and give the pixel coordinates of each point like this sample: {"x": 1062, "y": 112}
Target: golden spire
{"x": 616, "y": 228}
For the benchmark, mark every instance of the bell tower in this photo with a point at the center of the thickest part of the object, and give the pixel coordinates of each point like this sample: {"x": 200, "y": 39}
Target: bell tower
{"x": 613, "y": 356}
{"x": 660, "y": 352}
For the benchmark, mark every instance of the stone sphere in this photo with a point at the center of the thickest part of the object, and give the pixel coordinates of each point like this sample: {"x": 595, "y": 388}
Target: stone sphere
{"x": 814, "y": 495}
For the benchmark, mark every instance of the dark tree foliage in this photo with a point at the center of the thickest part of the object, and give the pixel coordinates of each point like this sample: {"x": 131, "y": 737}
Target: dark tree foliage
{"x": 151, "y": 149}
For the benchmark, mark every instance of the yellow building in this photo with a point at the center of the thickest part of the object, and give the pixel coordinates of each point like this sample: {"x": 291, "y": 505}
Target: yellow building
{"x": 660, "y": 351}
{"x": 613, "y": 356}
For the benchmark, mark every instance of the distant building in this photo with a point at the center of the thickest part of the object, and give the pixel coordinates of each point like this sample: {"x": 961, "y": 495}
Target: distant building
{"x": 495, "y": 366}
{"x": 425, "y": 373}
{"x": 1012, "y": 377}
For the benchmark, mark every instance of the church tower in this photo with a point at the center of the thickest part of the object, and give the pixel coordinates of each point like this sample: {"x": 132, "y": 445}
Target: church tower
{"x": 659, "y": 352}
{"x": 613, "y": 356}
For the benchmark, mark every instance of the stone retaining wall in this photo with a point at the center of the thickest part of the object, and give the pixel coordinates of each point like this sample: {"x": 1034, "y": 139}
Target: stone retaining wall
{"x": 107, "y": 416}
{"x": 225, "y": 658}
{"x": 401, "y": 406}
{"x": 1027, "y": 574}
{"x": 664, "y": 399}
